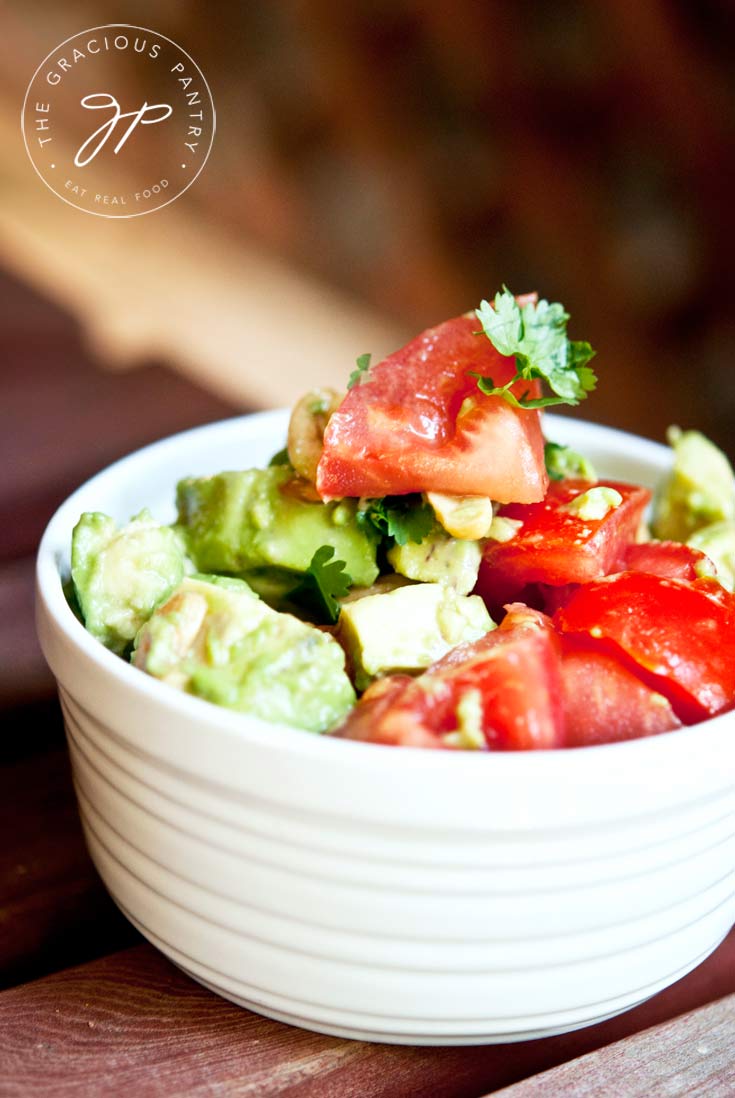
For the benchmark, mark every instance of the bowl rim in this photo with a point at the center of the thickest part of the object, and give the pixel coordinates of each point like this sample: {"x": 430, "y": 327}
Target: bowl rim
{"x": 51, "y": 602}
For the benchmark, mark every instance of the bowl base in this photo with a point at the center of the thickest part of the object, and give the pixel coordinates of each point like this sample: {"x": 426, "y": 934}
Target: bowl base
{"x": 390, "y": 1038}
{"x": 196, "y": 972}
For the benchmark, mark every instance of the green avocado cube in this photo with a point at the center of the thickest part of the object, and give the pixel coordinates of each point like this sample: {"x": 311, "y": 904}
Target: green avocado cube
{"x": 238, "y": 521}
{"x": 699, "y": 490}
{"x": 408, "y": 628}
{"x": 439, "y": 558}
{"x": 718, "y": 541}
{"x": 214, "y": 638}
{"x": 120, "y": 574}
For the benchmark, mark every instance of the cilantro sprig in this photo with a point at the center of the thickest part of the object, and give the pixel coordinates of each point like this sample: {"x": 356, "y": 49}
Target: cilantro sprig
{"x": 403, "y": 518}
{"x": 322, "y": 584}
{"x": 362, "y": 365}
{"x": 536, "y": 335}
{"x": 281, "y": 458}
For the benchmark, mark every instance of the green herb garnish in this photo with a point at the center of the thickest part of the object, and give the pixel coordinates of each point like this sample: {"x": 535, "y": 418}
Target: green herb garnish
{"x": 324, "y": 582}
{"x": 281, "y": 458}
{"x": 563, "y": 462}
{"x": 362, "y": 367}
{"x": 536, "y": 335}
{"x": 403, "y": 518}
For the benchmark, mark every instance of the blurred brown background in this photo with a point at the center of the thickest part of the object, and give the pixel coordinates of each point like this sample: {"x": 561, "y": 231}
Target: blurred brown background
{"x": 378, "y": 166}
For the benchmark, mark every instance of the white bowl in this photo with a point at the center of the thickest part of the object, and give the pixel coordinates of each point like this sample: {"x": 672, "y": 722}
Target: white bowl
{"x": 387, "y": 893}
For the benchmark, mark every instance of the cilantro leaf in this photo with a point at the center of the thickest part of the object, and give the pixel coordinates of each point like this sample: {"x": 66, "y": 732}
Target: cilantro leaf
{"x": 362, "y": 367}
{"x": 281, "y": 458}
{"x": 501, "y": 322}
{"x": 536, "y": 335}
{"x": 403, "y": 518}
{"x": 323, "y": 582}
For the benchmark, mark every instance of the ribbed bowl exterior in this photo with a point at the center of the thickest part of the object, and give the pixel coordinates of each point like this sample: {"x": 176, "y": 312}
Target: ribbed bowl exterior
{"x": 390, "y": 894}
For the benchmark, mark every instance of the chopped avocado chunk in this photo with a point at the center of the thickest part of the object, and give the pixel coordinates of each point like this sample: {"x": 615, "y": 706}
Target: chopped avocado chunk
{"x": 594, "y": 504}
{"x": 408, "y": 628}
{"x": 383, "y": 584}
{"x": 504, "y": 529}
{"x": 562, "y": 462}
{"x": 215, "y": 638}
{"x": 699, "y": 490}
{"x": 462, "y": 516}
{"x": 120, "y": 574}
{"x": 439, "y": 559}
{"x": 718, "y": 541}
{"x": 239, "y": 521}
{"x": 470, "y": 721}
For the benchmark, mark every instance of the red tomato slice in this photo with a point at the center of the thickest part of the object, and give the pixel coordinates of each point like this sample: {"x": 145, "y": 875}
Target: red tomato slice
{"x": 604, "y": 702}
{"x": 417, "y": 422}
{"x": 515, "y": 671}
{"x": 679, "y": 636}
{"x": 392, "y": 712}
{"x": 670, "y": 559}
{"x": 555, "y": 547}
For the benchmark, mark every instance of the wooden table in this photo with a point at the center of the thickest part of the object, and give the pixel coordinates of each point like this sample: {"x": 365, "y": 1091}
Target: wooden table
{"x": 86, "y": 1007}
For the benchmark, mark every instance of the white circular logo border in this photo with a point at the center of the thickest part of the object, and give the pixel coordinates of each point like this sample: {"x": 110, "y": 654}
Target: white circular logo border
{"x": 98, "y": 213}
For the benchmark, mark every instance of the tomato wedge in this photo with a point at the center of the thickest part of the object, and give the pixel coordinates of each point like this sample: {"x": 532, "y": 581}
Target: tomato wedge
{"x": 670, "y": 559}
{"x": 605, "y": 702}
{"x": 417, "y": 422}
{"x": 555, "y": 547}
{"x": 394, "y": 712}
{"x": 678, "y": 637}
{"x": 507, "y": 686}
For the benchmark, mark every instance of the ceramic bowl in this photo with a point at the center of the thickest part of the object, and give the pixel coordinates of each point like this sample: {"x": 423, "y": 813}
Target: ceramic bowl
{"x": 386, "y": 893}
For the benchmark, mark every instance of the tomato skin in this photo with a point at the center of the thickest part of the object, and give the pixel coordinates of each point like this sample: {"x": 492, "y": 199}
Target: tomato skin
{"x": 556, "y": 548}
{"x": 515, "y": 670}
{"x": 406, "y": 427}
{"x": 604, "y": 702}
{"x": 677, "y": 636}
{"x": 392, "y": 712}
{"x": 669, "y": 559}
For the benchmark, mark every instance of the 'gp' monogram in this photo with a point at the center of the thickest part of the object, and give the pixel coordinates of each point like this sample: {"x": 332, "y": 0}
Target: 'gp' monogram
{"x": 103, "y": 101}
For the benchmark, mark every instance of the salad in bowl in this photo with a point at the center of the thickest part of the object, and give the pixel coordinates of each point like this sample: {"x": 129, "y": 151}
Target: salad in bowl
{"x": 422, "y": 566}
{"x": 428, "y": 564}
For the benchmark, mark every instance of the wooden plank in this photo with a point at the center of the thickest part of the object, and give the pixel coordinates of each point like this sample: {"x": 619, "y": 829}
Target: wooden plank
{"x": 133, "y": 1024}
{"x": 54, "y": 910}
{"x": 692, "y": 1056}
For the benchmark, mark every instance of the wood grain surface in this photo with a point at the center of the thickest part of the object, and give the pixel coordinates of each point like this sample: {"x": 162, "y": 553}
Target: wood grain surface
{"x": 132, "y": 1024}
{"x": 693, "y": 1055}
{"x": 54, "y": 910}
